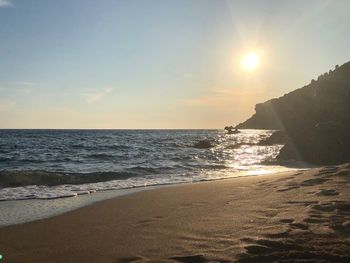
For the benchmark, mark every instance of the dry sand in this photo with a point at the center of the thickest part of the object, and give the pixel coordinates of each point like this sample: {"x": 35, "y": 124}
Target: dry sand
{"x": 282, "y": 217}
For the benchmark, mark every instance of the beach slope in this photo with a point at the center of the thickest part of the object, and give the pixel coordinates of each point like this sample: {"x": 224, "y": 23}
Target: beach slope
{"x": 286, "y": 217}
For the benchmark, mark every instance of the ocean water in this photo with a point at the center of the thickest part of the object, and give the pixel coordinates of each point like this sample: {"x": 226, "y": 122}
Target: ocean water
{"x": 47, "y": 164}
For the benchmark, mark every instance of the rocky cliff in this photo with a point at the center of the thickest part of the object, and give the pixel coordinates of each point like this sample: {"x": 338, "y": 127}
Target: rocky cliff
{"x": 316, "y": 119}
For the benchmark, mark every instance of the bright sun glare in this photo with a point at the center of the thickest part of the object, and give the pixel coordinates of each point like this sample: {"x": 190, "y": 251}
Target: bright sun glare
{"x": 250, "y": 61}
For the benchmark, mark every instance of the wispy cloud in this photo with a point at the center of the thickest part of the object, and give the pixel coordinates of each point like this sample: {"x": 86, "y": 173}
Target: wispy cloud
{"x": 5, "y": 3}
{"x": 25, "y": 87}
{"x": 22, "y": 83}
{"x": 92, "y": 97}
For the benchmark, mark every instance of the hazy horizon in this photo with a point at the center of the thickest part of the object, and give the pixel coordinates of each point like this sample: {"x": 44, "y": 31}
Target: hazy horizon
{"x": 159, "y": 64}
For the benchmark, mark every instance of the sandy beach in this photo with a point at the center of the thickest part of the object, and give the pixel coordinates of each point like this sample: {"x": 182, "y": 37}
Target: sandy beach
{"x": 181, "y": 131}
{"x": 283, "y": 217}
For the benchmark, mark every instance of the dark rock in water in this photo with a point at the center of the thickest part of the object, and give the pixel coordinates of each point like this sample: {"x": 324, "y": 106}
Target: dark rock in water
{"x": 228, "y": 128}
{"x": 278, "y": 137}
{"x": 231, "y": 130}
{"x": 319, "y": 145}
{"x": 203, "y": 144}
{"x": 315, "y": 118}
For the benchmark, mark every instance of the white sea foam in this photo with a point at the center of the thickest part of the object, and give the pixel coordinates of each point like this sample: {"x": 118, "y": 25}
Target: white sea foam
{"x": 22, "y": 211}
{"x": 73, "y": 165}
{"x": 52, "y": 201}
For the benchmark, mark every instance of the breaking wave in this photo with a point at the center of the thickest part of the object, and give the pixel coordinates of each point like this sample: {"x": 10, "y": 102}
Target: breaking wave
{"x": 61, "y": 163}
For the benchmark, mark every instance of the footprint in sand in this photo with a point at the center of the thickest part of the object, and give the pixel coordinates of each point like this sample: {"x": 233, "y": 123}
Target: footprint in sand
{"x": 287, "y": 220}
{"x": 288, "y": 189}
{"x": 191, "y": 259}
{"x": 129, "y": 259}
{"x": 327, "y": 170}
{"x": 300, "y": 226}
{"x": 292, "y": 249}
{"x": 267, "y": 250}
{"x": 341, "y": 207}
{"x": 313, "y": 182}
{"x": 146, "y": 222}
{"x": 283, "y": 234}
{"x": 327, "y": 192}
{"x": 302, "y": 203}
{"x": 315, "y": 220}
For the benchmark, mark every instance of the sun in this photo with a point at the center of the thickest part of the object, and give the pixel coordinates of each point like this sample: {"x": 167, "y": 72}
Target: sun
{"x": 250, "y": 61}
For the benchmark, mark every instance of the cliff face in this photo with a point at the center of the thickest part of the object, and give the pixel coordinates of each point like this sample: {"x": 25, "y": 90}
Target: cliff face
{"x": 325, "y": 100}
{"x": 316, "y": 118}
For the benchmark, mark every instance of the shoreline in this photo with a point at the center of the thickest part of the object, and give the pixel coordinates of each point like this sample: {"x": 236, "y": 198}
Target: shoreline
{"x": 14, "y": 212}
{"x": 20, "y": 211}
{"x": 238, "y": 219}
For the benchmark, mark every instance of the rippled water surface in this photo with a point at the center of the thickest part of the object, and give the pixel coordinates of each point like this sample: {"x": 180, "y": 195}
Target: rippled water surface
{"x": 57, "y": 163}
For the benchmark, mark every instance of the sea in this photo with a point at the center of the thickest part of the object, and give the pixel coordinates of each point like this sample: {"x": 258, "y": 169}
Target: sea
{"x": 65, "y": 164}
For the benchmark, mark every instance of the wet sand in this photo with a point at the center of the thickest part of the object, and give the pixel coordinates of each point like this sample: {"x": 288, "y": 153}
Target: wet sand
{"x": 282, "y": 217}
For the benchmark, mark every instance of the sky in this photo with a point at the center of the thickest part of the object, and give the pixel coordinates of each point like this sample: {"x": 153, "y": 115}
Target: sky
{"x": 152, "y": 64}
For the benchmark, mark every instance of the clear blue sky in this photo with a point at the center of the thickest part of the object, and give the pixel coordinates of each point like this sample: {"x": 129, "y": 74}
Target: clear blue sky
{"x": 159, "y": 63}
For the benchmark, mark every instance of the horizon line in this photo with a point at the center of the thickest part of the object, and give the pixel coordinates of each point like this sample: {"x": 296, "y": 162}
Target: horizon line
{"x": 111, "y": 128}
